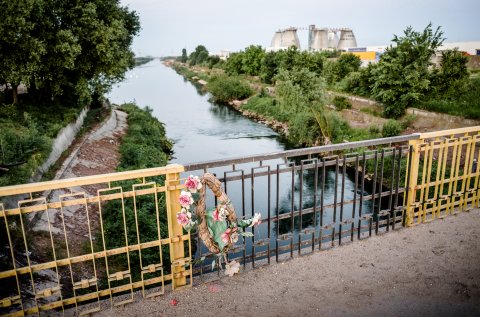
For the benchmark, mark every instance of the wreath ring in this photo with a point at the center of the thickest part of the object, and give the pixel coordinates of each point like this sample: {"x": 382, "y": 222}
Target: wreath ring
{"x": 210, "y": 181}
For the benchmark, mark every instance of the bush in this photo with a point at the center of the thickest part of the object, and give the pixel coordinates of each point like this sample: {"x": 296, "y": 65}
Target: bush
{"x": 225, "y": 89}
{"x": 22, "y": 150}
{"x": 374, "y": 130}
{"x": 466, "y": 104}
{"x": 341, "y": 103}
{"x": 391, "y": 128}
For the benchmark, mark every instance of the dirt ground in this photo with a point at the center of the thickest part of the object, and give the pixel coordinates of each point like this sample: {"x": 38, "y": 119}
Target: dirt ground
{"x": 428, "y": 270}
{"x": 365, "y": 113}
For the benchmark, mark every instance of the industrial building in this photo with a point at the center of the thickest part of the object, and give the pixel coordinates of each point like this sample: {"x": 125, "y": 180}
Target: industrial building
{"x": 318, "y": 39}
{"x": 283, "y": 39}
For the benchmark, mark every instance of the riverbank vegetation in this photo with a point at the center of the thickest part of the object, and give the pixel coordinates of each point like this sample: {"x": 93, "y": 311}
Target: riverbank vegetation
{"x": 283, "y": 82}
{"x": 55, "y": 60}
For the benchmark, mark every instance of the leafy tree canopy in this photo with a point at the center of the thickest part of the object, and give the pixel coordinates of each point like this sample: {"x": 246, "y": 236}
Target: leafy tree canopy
{"x": 65, "y": 47}
{"x": 401, "y": 78}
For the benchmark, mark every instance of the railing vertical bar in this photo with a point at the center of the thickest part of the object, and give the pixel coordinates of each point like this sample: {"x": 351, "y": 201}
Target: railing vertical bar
{"x": 335, "y": 201}
{"x": 62, "y": 216}
{"x": 397, "y": 185}
{"x": 292, "y": 209}
{"x": 374, "y": 192}
{"x": 252, "y": 189}
{"x": 362, "y": 189}
{"x": 322, "y": 202}
{"x": 300, "y": 206}
{"x": 268, "y": 213}
{"x": 243, "y": 215}
{"x": 27, "y": 252}
{"x": 380, "y": 190}
{"x": 355, "y": 189}
{"x": 315, "y": 188}
{"x": 391, "y": 185}
{"x": 277, "y": 212}
{"x": 342, "y": 199}
{"x": 12, "y": 254}
{"x": 92, "y": 251}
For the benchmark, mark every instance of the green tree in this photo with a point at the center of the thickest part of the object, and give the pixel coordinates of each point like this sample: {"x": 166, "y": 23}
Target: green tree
{"x": 198, "y": 56}
{"x": 402, "y": 78}
{"x": 83, "y": 46}
{"x": 252, "y": 60}
{"x": 184, "y": 57}
{"x": 313, "y": 61}
{"x": 286, "y": 58}
{"x": 234, "y": 64}
{"x": 269, "y": 67}
{"x": 450, "y": 78}
{"x": 346, "y": 64}
{"x": 20, "y": 50}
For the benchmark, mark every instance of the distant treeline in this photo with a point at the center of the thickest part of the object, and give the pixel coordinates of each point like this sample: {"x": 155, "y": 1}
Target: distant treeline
{"x": 143, "y": 60}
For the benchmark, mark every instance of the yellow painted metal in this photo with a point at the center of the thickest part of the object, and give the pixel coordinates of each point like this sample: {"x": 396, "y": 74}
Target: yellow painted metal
{"x": 82, "y": 268}
{"x": 175, "y": 231}
{"x": 443, "y": 174}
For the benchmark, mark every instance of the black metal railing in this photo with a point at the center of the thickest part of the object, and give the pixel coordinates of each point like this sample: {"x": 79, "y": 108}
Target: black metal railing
{"x": 311, "y": 198}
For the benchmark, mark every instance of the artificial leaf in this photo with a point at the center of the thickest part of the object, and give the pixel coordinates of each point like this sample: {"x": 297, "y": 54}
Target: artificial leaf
{"x": 246, "y": 234}
{"x": 245, "y": 223}
{"x": 216, "y": 228}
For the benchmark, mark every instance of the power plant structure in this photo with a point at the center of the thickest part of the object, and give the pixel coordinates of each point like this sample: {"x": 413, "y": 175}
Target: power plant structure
{"x": 318, "y": 39}
{"x": 283, "y": 39}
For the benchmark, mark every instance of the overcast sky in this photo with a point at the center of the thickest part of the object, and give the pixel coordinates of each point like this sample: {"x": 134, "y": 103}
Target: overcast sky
{"x": 169, "y": 26}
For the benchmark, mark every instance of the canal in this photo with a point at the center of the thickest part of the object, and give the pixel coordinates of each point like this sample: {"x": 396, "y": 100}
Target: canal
{"x": 203, "y": 131}
{"x": 200, "y": 130}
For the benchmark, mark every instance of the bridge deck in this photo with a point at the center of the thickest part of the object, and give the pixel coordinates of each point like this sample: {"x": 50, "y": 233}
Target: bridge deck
{"x": 428, "y": 270}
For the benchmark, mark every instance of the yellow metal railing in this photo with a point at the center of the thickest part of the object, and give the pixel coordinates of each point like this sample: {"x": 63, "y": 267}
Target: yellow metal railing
{"x": 62, "y": 224}
{"x": 443, "y": 174}
{"x": 72, "y": 243}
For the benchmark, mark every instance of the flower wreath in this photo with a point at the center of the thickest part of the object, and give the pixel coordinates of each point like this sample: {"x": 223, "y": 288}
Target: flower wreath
{"x": 218, "y": 227}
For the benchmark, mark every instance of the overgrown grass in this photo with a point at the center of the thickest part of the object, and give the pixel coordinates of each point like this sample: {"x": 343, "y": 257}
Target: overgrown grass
{"x": 145, "y": 144}
{"x": 371, "y": 111}
{"x": 304, "y": 129}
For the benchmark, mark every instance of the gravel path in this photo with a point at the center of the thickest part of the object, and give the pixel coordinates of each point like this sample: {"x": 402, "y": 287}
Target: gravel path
{"x": 428, "y": 270}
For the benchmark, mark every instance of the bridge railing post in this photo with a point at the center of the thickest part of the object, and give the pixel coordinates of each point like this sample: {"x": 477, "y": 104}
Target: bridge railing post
{"x": 179, "y": 260}
{"x": 412, "y": 180}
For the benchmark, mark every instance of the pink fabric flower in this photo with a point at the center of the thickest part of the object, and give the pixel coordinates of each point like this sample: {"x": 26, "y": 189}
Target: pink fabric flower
{"x": 193, "y": 183}
{"x": 219, "y": 214}
{"x": 183, "y": 219}
{"x": 185, "y": 199}
{"x": 230, "y": 235}
{"x": 216, "y": 215}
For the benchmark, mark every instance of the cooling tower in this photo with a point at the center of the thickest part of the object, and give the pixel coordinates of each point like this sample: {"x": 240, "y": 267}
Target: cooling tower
{"x": 290, "y": 38}
{"x": 332, "y": 38}
{"x": 277, "y": 39}
{"x": 284, "y": 39}
{"x": 319, "y": 39}
{"x": 347, "y": 39}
